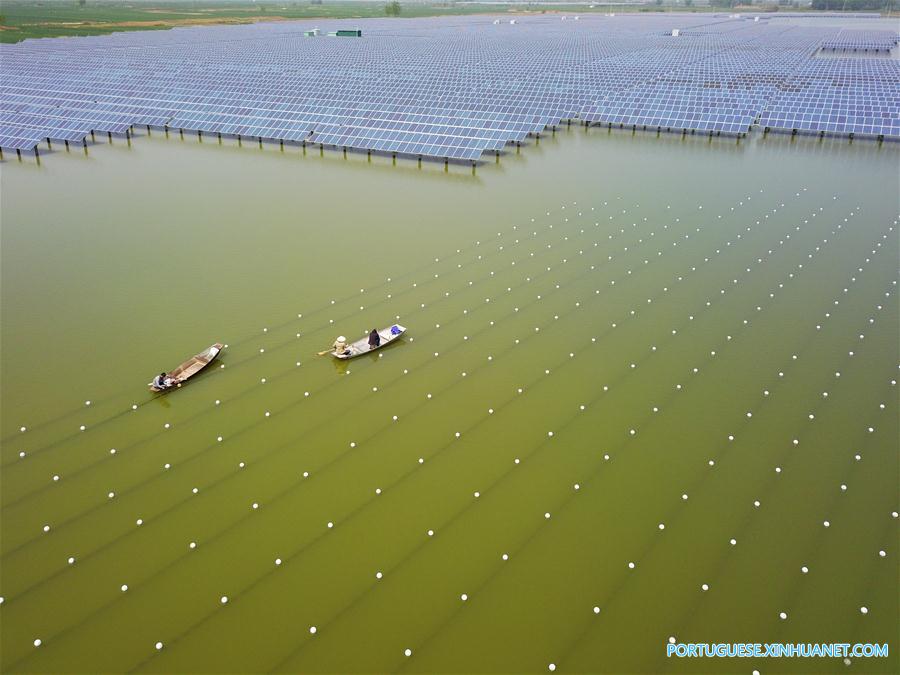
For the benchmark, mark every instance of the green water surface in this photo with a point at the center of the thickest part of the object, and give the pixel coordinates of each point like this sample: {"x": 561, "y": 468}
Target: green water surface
{"x": 617, "y": 345}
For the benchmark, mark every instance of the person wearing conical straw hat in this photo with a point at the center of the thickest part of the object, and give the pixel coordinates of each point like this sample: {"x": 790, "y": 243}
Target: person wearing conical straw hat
{"x": 340, "y": 345}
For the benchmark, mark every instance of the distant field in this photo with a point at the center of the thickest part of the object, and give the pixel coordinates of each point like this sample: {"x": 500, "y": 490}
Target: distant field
{"x": 23, "y": 20}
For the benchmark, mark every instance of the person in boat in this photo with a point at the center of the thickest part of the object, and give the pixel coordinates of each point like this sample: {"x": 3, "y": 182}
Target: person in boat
{"x": 340, "y": 346}
{"x": 161, "y": 381}
{"x": 374, "y": 339}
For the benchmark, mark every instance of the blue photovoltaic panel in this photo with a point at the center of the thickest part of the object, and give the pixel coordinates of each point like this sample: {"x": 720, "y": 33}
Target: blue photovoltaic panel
{"x": 15, "y": 142}
{"x": 451, "y": 88}
{"x": 839, "y": 96}
{"x": 862, "y": 41}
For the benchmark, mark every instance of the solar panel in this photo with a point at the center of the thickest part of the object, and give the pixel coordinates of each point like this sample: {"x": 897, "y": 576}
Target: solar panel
{"x": 850, "y": 40}
{"x": 438, "y": 88}
{"x": 839, "y": 96}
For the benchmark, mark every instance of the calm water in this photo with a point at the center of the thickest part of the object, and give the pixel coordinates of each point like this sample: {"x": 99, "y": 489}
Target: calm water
{"x": 621, "y": 350}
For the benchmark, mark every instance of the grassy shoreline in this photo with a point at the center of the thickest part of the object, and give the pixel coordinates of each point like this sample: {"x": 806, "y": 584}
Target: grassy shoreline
{"x": 22, "y": 20}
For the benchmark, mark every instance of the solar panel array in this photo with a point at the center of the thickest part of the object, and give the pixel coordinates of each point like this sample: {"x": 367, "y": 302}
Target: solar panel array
{"x": 862, "y": 41}
{"x": 449, "y": 88}
{"x": 839, "y": 96}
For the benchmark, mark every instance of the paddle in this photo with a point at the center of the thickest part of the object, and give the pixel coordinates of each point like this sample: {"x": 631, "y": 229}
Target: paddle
{"x": 327, "y": 351}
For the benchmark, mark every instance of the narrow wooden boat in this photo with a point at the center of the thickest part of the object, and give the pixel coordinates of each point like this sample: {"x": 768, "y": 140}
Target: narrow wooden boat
{"x": 361, "y": 347}
{"x": 189, "y": 368}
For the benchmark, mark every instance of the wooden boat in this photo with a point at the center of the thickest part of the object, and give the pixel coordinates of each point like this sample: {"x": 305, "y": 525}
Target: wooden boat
{"x": 189, "y": 368}
{"x": 361, "y": 347}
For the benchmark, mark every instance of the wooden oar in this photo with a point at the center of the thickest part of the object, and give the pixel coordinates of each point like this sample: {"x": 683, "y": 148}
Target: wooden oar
{"x": 327, "y": 351}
